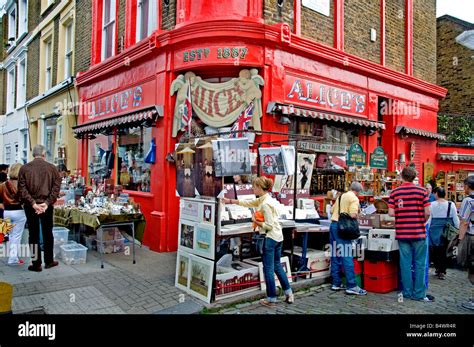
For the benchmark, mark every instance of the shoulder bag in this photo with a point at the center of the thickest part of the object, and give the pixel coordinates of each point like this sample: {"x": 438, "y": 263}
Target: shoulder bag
{"x": 347, "y": 227}
{"x": 449, "y": 230}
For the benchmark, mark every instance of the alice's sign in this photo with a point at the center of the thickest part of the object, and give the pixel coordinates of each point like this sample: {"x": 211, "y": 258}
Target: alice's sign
{"x": 356, "y": 155}
{"x": 378, "y": 159}
{"x": 218, "y": 104}
{"x": 116, "y": 103}
{"x": 322, "y": 95}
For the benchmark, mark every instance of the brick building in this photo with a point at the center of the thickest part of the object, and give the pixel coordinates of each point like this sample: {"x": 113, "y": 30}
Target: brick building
{"x": 342, "y": 71}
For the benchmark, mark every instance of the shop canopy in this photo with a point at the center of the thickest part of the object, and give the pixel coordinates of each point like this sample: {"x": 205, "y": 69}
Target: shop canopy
{"x": 419, "y": 132}
{"x": 455, "y": 157}
{"x": 274, "y": 107}
{"x": 145, "y": 117}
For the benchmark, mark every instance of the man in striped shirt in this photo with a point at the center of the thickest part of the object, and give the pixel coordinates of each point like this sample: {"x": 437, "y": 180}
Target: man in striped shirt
{"x": 410, "y": 206}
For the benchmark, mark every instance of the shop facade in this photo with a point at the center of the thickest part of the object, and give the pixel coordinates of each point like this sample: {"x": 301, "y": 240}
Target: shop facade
{"x": 300, "y": 87}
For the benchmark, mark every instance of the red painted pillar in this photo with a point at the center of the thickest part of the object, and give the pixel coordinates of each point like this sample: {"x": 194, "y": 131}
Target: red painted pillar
{"x": 130, "y": 23}
{"x": 409, "y": 37}
{"x": 297, "y": 17}
{"x": 382, "y": 32}
{"x": 96, "y": 43}
{"x": 339, "y": 24}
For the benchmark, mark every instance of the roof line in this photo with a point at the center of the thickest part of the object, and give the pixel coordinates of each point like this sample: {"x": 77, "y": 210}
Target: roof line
{"x": 456, "y": 20}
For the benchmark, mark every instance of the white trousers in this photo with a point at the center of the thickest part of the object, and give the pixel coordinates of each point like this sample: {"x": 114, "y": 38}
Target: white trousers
{"x": 18, "y": 218}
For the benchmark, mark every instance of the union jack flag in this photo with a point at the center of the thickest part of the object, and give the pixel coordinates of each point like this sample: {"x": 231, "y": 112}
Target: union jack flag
{"x": 242, "y": 123}
{"x": 187, "y": 110}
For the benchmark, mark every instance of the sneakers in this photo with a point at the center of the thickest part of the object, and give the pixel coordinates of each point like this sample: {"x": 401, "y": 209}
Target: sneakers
{"x": 468, "y": 305}
{"x": 50, "y": 265}
{"x": 337, "y": 288}
{"x": 441, "y": 276}
{"x": 35, "y": 268}
{"x": 427, "y": 298}
{"x": 356, "y": 291}
{"x": 19, "y": 262}
{"x": 267, "y": 303}
{"x": 290, "y": 299}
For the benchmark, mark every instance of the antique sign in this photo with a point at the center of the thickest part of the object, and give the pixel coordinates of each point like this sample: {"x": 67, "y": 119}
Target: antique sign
{"x": 218, "y": 104}
{"x": 378, "y": 159}
{"x": 356, "y": 155}
{"x": 323, "y": 147}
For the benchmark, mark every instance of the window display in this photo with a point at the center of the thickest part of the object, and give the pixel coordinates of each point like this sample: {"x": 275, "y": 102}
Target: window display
{"x": 100, "y": 157}
{"x": 134, "y": 173}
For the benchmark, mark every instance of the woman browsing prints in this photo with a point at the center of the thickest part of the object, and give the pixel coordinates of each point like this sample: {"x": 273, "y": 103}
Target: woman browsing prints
{"x": 271, "y": 227}
{"x": 439, "y": 217}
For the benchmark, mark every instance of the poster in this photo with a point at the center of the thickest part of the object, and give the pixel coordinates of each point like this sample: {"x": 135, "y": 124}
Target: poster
{"x": 200, "y": 284}
{"x": 207, "y": 213}
{"x": 271, "y": 159}
{"x": 205, "y": 180}
{"x": 186, "y": 235}
{"x": 231, "y": 157}
{"x": 289, "y": 156}
{"x": 190, "y": 209}
{"x": 204, "y": 240}
{"x": 185, "y": 171}
{"x": 183, "y": 271}
{"x": 304, "y": 174}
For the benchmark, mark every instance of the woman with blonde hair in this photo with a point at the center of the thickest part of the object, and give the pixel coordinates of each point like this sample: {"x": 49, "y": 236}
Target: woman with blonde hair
{"x": 10, "y": 198}
{"x": 270, "y": 226}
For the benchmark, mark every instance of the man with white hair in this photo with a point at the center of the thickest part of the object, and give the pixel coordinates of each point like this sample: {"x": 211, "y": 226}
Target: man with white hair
{"x": 346, "y": 203}
{"x": 39, "y": 184}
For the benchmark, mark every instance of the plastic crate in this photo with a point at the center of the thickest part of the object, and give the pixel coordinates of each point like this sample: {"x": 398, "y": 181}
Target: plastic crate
{"x": 61, "y": 235}
{"x": 113, "y": 246}
{"x": 90, "y": 242}
{"x": 57, "y": 249}
{"x": 73, "y": 253}
{"x": 380, "y": 268}
{"x": 381, "y": 284}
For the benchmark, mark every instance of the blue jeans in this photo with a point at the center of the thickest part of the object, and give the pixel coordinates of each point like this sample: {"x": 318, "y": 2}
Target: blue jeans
{"x": 341, "y": 258}
{"x": 271, "y": 259}
{"x": 413, "y": 253}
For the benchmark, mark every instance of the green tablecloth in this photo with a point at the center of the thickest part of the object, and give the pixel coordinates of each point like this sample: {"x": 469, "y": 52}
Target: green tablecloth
{"x": 69, "y": 217}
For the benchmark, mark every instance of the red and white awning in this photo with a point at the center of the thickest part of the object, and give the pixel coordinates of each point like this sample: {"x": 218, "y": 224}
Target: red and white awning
{"x": 131, "y": 119}
{"x": 306, "y": 113}
{"x": 419, "y": 132}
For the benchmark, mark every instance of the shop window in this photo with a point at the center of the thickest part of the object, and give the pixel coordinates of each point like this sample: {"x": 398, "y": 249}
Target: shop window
{"x": 108, "y": 28}
{"x": 101, "y": 158}
{"x": 133, "y": 145}
{"x": 146, "y": 18}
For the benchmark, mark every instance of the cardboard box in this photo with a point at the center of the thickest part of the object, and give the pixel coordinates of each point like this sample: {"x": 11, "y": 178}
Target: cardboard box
{"x": 316, "y": 260}
{"x": 382, "y": 240}
{"x": 387, "y": 221}
{"x": 231, "y": 282}
{"x": 370, "y": 220}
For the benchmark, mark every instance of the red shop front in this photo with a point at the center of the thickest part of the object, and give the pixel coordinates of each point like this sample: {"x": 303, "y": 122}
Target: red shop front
{"x": 296, "y": 84}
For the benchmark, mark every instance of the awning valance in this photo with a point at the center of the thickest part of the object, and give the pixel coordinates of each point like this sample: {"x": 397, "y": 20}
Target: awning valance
{"x": 144, "y": 117}
{"x": 274, "y": 107}
{"x": 419, "y": 132}
{"x": 455, "y": 157}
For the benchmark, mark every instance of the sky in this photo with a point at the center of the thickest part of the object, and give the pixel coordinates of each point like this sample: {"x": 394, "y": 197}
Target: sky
{"x": 462, "y": 9}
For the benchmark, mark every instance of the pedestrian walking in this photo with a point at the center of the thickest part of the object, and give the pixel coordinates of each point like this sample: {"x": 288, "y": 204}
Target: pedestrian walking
{"x": 410, "y": 206}
{"x": 442, "y": 213}
{"x": 10, "y": 199}
{"x": 39, "y": 184}
{"x": 341, "y": 249}
{"x": 466, "y": 233}
{"x": 272, "y": 246}
{"x": 3, "y": 178}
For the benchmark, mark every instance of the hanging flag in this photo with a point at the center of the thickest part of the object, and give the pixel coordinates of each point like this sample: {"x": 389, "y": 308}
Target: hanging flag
{"x": 187, "y": 110}
{"x": 242, "y": 123}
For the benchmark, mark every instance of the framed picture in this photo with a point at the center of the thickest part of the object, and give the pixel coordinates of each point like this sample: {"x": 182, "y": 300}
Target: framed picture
{"x": 185, "y": 170}
{"x": 285, "y": 262}
{"x": 190, "y": 210}
{"x": 202, "y": 271}
{"x": 231, "y": 157}
{"x": 206, "y": 182}
{"x": 289, "y": 156}
{"x": 272, "y": 161}
{"x": 207, "y": 211}
{"x": 186, "y": 235}
{"x": 204, "y": 240}
{"x": 183, "y": 271}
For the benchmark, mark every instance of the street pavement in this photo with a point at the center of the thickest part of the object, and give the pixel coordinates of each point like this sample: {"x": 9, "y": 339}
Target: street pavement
{"x": 147, "y": 287}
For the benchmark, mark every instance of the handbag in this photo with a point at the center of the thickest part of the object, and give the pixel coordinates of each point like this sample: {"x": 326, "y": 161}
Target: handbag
{"x": 347, "y": 227}
{"x": 449, "y": 230}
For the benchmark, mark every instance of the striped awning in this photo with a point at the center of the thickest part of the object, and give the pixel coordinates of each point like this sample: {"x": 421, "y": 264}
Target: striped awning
{"x": 455, "y": 157}
{"x": 419, "y": 132}
{"x": 306, "y": 113}
{"x": 129, "y": 120}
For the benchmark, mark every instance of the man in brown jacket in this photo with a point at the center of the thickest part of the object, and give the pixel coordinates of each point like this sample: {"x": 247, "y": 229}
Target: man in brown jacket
{"x": 39, "y": 184}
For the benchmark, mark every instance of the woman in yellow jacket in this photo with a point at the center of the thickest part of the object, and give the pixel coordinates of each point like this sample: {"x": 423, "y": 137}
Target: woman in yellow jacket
{"x": 271, "y": 227}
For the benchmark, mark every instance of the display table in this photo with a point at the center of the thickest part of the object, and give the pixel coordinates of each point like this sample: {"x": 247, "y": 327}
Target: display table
{"x": 73, "y": 218}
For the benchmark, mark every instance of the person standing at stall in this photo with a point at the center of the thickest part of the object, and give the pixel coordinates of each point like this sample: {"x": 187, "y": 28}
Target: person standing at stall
{"x": 442, "y": 212}
{"x": 346, "y": 203}
{"x": 466, "y": 230}
{"x": 271, "y": 227}
{"x": 39, "y": 192}
{"x": 410, "y": 206}
{"x": 10, "y": 199}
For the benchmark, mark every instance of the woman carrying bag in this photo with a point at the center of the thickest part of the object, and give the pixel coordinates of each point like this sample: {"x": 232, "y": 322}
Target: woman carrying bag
{"x": 442, "y": 213}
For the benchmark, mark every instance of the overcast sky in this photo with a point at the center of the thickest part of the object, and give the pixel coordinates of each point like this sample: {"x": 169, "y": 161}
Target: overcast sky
{"x": 462, "y": 9}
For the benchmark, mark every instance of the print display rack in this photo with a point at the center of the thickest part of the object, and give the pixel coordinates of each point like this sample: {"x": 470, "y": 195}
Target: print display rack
{"x": 199, "y": 272}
